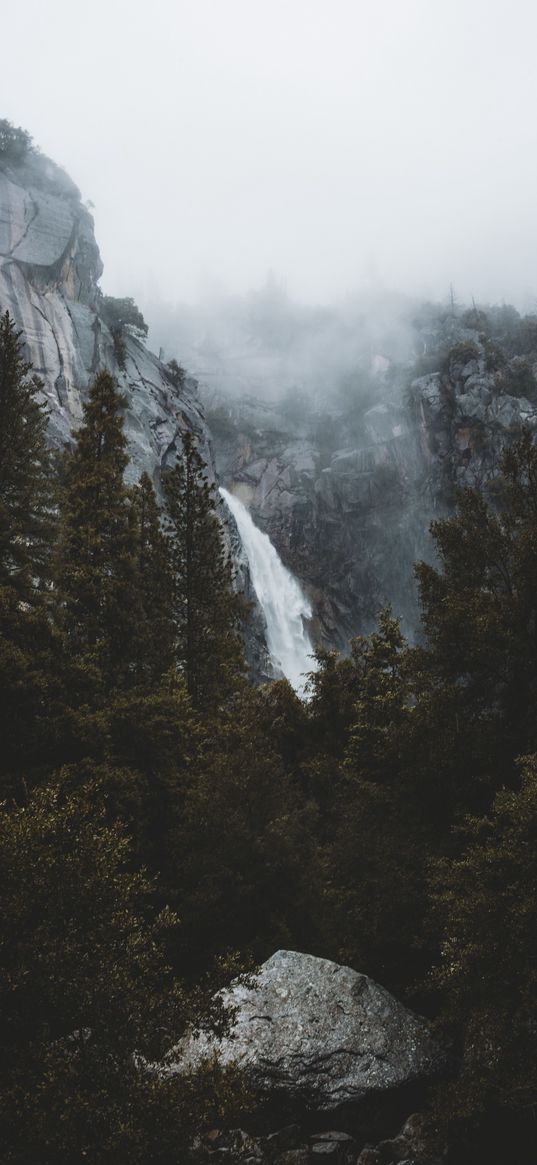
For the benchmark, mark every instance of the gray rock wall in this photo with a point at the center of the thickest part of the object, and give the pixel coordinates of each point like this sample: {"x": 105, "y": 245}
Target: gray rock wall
{"x": 349, "y": 516}
{"x": 49, "y": 271}
{"x": 350, "y": 525}
{"x": 352, "y": 520}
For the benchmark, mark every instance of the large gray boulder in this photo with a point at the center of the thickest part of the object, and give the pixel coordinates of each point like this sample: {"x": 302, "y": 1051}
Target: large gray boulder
{"x": 320, "y": 1033}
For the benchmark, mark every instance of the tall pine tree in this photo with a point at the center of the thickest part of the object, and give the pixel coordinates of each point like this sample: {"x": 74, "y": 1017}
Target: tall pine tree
{"x": 96, "y": 568}
{"x": 207, "y": 612}
{"x": 155, "y": 645}
{"x": 28, "y": 671}
{"x": 25, "y": 489}
{"x": 87, "y": 1000}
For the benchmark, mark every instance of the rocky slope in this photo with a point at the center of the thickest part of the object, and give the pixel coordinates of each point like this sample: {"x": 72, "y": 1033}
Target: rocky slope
{"x": 348, "y": 497}
{"x": 50, "y": 268}
{"x": 348, "y": 523}
{"x": 49, "y": 272}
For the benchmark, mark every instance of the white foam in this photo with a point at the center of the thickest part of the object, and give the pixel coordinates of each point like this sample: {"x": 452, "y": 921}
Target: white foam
{"x": 280, "y": 596}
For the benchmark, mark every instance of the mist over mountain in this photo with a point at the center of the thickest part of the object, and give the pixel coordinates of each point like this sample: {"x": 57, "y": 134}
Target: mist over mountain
{"x": 267, "y": 344}
{"x": 336, "y": 145}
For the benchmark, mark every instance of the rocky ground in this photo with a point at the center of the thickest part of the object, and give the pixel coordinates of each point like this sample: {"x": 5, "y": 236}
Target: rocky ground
{"x": 292, "y": 1145}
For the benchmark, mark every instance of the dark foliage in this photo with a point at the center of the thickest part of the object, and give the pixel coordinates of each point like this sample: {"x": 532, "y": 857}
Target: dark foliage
{"x": 15, "y": 142}
{"x": 207, "y": 613}
{"x": 122, "y": 317}
{"x": 384, "y": 821}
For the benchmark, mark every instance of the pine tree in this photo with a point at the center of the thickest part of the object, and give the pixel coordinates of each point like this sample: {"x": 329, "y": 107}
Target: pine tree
{"x": 28, "y": 646}
{"x": 207, "y": 613}
{"x": 477, "y": 671}
{"x": 96, "y": 566}
{"x": 155, "y": 643}
{"x": 87, "y": 1000}
{"x": 25, "y": 477}
{"x": 485, "y": 907}
{"x": 239, "y": 853}
{"x": 374, "y": 895}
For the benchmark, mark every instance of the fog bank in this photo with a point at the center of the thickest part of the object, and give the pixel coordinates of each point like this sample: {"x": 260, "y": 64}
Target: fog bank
{"x": 338, "y": 144}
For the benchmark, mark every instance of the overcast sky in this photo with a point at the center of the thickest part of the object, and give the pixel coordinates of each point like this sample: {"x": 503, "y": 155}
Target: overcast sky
{"x": 334, "y": 142}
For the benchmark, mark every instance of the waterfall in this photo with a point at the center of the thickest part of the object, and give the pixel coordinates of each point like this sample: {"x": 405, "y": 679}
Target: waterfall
{"x": 284, "y": 605}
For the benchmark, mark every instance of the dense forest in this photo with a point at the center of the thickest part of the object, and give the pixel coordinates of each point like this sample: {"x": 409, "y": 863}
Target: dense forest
{"x": 165, "y": 823}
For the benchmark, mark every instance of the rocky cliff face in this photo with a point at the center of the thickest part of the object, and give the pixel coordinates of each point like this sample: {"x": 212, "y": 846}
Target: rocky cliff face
{"x": 49, "y": 272}
{"x": 50, "y": 268}
{"x": 468, "y": 412}
{"x": 348, "y": 501}
{"x": 346, "y": 498}
{"x": 349, "y": 523}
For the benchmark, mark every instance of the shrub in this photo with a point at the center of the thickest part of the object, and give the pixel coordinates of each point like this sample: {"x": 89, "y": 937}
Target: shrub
{"x": 176, "y": 373}
{"x": 122, "y": 316}
{"x": 460, "y": 355}
{"x": 15, "y": 142}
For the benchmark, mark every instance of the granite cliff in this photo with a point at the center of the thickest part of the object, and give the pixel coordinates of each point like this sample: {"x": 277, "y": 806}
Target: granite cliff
{"x": 50, "y": 268}
{"x": 347, "y": 496}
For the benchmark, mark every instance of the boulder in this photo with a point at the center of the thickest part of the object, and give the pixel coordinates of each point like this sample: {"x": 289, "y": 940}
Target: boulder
{"x": 318, "y": 1033}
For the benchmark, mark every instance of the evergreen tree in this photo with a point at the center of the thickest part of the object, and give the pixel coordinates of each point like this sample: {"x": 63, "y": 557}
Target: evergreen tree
{"x": 155, "y": 640}
{"x": 87, "y": 1000}
{"x": 485, "y": 906}
{"x": 333, "y": 691}
{"x": 240, "y": 852}
{"x": 207, "y": 613}
{"x": 25, "y": 472}
{"x": 96, "y": 565}
{"x": 29, "y": 660}
{"x": 381, "y": 708}
{"x": 476, "y": 675}
{"x": 375, "y": 893}
{"x": 149, "y": 741}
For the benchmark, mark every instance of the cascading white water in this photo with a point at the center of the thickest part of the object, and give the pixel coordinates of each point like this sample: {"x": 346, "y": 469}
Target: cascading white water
{"x": 284, "y": 605}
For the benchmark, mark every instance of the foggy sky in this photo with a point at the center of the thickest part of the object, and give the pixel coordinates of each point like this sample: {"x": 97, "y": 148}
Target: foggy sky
{"x": 338, "y": 143}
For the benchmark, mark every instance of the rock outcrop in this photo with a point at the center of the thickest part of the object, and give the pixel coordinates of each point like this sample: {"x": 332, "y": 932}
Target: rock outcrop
{"x": 49, "y": 272}
{"x": 320, "y": 1034}
{"x": 50, "y": 268}
{"x": 349, "y": 521}
{"x": 466, "y": 418}
{"x": 347, "y": 498}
